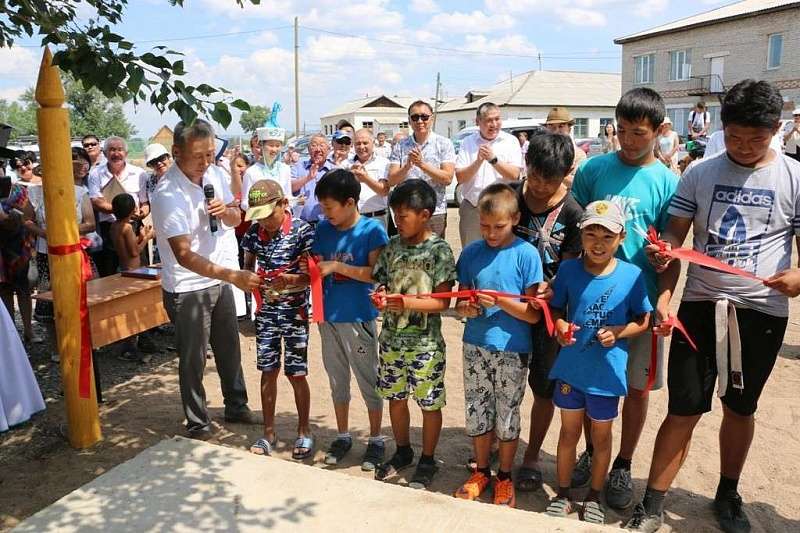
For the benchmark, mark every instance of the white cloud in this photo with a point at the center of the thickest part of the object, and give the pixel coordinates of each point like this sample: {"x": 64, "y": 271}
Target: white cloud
{"x": 424, "y": 6}
{"x": 12, "y": 93}
{"x": 582, "y": 17}
{"x": 512, "y": 44}
{"x": 332, "y": 49}
{"x": 648, "y": 8}
{"x": 388, "y": 73}
{"x": 19, "y": 63}
{"x": 474, "y": 22}
{"x": 427, "y": 37}
{"x": 266, "y": 38}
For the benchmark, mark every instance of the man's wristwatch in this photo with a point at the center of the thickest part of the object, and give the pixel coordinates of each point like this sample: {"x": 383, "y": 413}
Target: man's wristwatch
{"x": 493, "y": 161}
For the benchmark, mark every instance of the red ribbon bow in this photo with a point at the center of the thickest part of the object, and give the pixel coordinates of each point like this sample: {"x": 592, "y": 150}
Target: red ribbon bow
{"x": 317, "y": 305}
{"x": 85, "y": 367}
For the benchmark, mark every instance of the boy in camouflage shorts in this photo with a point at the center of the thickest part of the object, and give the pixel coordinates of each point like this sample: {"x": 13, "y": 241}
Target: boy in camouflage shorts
{"x": 412, "y": 349}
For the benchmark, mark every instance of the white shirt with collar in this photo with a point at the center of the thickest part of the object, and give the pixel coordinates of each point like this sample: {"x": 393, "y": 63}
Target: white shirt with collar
{"x": 383, "y": 151}
{"x": 436, "y": 150}
{"x": 505, "y": 147}
{"x": 377, "y": 168}
{"x": 99, "y": 177}
{"x": 179, "y": 208}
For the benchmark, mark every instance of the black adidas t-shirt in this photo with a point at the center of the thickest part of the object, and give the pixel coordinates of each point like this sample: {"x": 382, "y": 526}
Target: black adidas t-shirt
{"x": 564, "y": 235}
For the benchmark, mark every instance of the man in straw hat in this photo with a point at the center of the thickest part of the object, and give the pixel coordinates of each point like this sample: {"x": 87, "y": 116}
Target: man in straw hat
{"x": 559, "y": 120}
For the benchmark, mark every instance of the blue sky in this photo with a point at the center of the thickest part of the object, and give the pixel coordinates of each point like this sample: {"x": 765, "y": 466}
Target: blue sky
{"x": 347, "y": 52}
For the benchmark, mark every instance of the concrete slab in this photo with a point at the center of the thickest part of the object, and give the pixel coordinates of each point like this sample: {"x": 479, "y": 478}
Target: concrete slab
{"x": 187, "y": 486}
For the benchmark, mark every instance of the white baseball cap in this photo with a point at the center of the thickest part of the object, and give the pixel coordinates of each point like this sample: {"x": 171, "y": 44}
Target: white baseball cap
{"x": 796, "y": 111}
{"x": 603, "y": 213}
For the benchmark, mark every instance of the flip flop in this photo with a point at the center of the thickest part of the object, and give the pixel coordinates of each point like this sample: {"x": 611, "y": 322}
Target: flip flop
{"x": 305, "y": 442}
{"x": 593, "y": 512}
{"x": 560, "y": 507}
{"x": 392, "y": 467}
{"x": 528, "y": 479}
{"x": 263, "y": 447}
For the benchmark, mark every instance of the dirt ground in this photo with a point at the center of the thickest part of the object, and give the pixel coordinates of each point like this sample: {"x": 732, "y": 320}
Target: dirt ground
{"x": 38, "y": 467}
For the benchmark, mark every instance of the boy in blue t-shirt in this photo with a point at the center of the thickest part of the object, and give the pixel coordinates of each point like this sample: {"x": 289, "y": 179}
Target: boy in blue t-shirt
{"x": 605, "y": 303}
{"x": 642, "y": 187}
{"x": 349, "y": 245}
{"x": 497, "y": 338}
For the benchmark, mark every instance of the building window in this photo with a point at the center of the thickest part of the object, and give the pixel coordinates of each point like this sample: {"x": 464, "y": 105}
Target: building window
{"x": 680, "y": 65}
{"x": 581, "y": 128}
{"x": 644, "y": 68}
{"x": 680, "y": 119}
{"x": 775, "y": 50}
{"x": 404, "y": 125}
{"x": 462, "y": 124}
{"x": 367, "y": 124}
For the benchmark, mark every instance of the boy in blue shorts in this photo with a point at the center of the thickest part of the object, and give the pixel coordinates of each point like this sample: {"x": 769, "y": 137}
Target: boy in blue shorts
{"x": 497, "y": 338}
{"x": 349, "y": 245}
{"x": 642, "y": 186}
{"x": 412, "y": 355}
{"x": 599, "y": 302}
{"x": 275, "y": 244}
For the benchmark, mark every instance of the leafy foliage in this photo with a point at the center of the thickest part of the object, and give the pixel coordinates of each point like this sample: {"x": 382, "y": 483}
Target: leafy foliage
{"x": 101, "y": 59}
{"x": 250, "y": 120}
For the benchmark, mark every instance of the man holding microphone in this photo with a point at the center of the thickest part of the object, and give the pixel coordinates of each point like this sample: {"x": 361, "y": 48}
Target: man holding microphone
{"x": 189, "y": 203}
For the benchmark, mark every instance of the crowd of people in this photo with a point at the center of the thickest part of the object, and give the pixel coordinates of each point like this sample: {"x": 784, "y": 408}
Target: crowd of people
{"x": 559, "y": 287}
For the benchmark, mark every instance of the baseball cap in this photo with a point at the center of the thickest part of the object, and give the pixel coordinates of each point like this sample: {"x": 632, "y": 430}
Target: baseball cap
{"x": 796, "y": 111}
{"x": 262, "y": 198}
{"x": 153, "y": 152}
{"x": 341, "y": 135}
{"x": 603, "y": 213}
{"x": 559, "y": 115}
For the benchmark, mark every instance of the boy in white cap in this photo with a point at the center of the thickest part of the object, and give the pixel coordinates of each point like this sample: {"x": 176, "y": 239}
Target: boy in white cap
{"x": 599, "y": 302}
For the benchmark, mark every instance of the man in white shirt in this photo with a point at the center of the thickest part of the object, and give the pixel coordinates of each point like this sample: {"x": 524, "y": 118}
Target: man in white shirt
{"x": 196, "y": 290}
{"x": 382, "y": 147}
{"x": 305, "y": 176}
{"x": 116, "y": 175}
{"x": 699, "y": 121}
{"x": 427, "y": 156}
{"x": 370, "y": 169}
{"x": 487, "y": 156}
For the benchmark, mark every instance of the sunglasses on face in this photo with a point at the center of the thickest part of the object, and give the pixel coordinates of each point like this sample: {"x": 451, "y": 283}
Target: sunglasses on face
{"x": 345, "y": 142}
{"x": 418, "y": 117}
{"x": 90, "y": 145}
{"x": 158, "y": 161}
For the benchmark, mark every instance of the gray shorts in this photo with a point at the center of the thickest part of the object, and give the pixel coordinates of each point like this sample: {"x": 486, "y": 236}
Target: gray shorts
{"x": 346, "y": 346}
{"x": 639, "y": 353}
{"x": 494, "y": 385}
{"x": 469, "y": 224}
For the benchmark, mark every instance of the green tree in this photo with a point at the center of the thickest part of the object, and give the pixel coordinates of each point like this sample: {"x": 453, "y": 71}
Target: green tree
{"x": 102, "y": 59}
{"x": 22, "y": 118}
{"x": 250, "y": 120}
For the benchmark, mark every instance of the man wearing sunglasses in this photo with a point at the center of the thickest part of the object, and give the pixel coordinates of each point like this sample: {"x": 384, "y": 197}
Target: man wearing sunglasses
{"x": 342, "y": 143}
{"x": 92, "y": 146}
{"x": 427, "y": 156}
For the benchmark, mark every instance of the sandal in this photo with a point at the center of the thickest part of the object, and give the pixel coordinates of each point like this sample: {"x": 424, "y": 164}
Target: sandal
{"x": 593, "y": 512}
{"x": 423, "y": 476}
{"x": 393, "y": 466}
{"x": 263, "y": 447}
{"x": 559, "y": 506}
{"x": 339, "y": 448}
{"x": 528, "y": 479}
{"x": 303, "y": 447}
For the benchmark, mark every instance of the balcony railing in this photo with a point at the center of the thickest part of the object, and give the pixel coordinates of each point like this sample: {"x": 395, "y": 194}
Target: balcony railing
{"x": 708, "y": 84}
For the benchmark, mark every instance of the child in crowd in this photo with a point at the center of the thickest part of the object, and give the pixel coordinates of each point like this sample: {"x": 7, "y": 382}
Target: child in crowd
{"x": 412, "y": 356}
{"x": 598, "y": 302}
{"x": 497, "y": 338}
{"x": 549, "y": 221}
{"x": 275, "y": 244}
{"x": 635, "y": 180}
{"x": 349, "y": 245}
{"x": 127, "y": 244}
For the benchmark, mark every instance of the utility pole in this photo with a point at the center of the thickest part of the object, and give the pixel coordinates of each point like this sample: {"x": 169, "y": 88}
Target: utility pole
{"x": 511, "y": 80}
{"x": 540, "y": 61}
{"x": 436, "y": 101}
{"x": 296, "y": 78}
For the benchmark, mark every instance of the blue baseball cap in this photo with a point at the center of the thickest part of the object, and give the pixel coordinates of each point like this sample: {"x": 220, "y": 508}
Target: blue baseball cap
{"x": 341, "y": 135}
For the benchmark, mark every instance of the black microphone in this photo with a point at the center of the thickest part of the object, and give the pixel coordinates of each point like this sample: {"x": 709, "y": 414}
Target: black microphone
{"x": 208, "y": 191}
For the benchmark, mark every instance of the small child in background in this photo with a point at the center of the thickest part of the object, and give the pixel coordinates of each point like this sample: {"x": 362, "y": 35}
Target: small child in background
{"x": 127, "y": 244}
{"x": 412, "y": 349}
{"x": 275, "y": 243}
{"x": 497, "y": 338}
{"x": 599, "y": 302}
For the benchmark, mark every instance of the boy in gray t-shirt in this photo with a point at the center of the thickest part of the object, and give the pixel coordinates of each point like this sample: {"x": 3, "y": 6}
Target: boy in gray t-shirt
{"x": 744, "y": 209}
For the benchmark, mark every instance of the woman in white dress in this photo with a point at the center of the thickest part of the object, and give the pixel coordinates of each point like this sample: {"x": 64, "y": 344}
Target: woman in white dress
{"x": 667, "y": 146}
{"x": 20, "y": 397}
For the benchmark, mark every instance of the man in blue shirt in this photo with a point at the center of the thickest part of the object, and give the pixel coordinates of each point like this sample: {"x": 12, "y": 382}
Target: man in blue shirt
{"x": 305, "y": 176}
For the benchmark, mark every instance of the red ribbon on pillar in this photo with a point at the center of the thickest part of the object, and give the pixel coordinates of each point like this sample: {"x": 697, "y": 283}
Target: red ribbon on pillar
{"x": 84, "y": 369}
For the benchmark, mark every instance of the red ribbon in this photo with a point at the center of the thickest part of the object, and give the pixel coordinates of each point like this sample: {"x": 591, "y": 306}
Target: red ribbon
{"x": 85, "y": 368}
{"x": 570, "y": 333}
{"x": 317, "y": 306}
{"x": 472, "y": 296}
{"x": 268, "y": 276}
{"x": 693, "y": 256}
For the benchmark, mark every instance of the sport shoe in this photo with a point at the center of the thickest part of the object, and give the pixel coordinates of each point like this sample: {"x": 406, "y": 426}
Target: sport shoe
{"x": 583, "y": 471}
{"x": 619, "y": 489}
{"x": 473, "y": 487}
{"x": 641, "y": 521}
{"x": 729, "y": 513}
{"x": 504, "y": 493}
{"x": 338, "y": 450}
{"x": 373, "y": 456}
